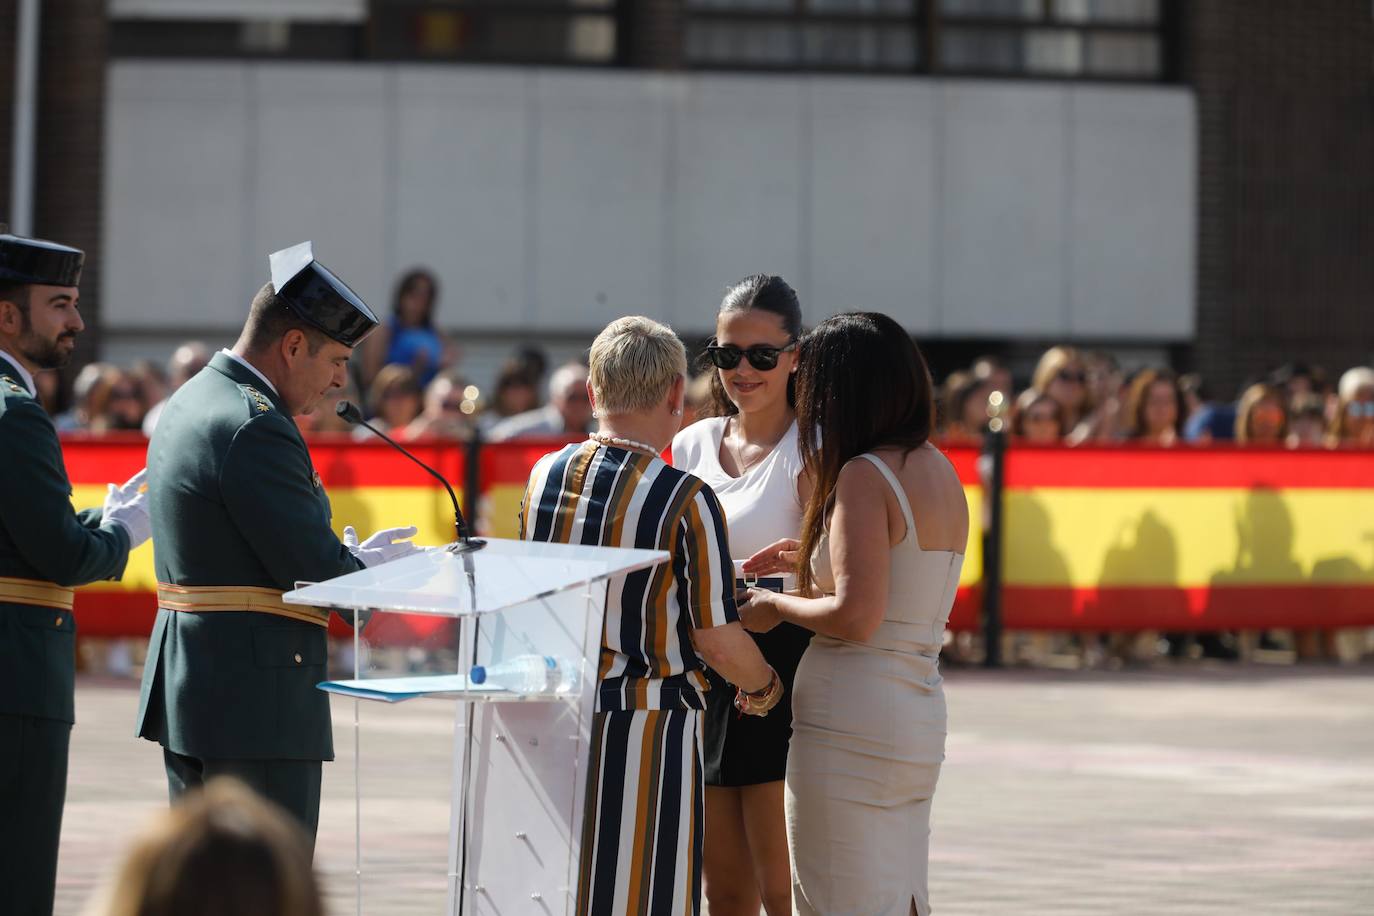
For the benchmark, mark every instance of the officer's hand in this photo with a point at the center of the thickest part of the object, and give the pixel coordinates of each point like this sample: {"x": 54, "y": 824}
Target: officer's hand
{"x": 383, "y": 547}
{"x": 127, "y": 506}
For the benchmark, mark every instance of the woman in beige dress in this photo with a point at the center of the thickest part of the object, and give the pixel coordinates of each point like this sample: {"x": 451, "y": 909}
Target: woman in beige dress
{"x": 882, "y": 545}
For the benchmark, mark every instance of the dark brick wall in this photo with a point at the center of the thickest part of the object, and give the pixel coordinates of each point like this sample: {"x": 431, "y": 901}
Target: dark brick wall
{"x": 8, "y": 8}
{"x": 1285, "y": 95}
{"x": 652, "y": 33}
{"x": 70, "y": 154}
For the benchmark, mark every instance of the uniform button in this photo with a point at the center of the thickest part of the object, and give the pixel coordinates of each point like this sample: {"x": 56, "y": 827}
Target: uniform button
{"x": 298, "y": 658}
{"x": 58, "y": 621}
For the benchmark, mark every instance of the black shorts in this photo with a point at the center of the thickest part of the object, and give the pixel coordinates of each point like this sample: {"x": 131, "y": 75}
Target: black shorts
{"x": 748, "y": 750}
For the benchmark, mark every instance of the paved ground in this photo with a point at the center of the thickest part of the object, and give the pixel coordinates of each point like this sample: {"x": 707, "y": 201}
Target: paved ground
{"x": 1185, "y": 791}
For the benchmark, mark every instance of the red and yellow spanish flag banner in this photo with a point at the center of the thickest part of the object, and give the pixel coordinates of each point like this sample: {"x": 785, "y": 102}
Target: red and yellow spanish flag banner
{"x": 968, "y": 601}
{"x": 506, "y": 467}
{"x": 1104, "y": 538}
{"x": 370, "y": 486}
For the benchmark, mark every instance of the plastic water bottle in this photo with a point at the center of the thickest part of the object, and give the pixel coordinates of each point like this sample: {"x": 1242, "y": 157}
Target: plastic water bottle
{"x": 527, "y": 674}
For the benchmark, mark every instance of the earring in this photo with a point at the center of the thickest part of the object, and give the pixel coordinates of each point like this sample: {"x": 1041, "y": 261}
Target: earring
{"x": 677, "y": 411}
{"x": 596, "y": 415}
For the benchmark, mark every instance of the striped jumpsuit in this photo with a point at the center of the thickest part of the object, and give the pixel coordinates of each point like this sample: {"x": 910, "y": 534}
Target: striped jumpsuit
{"x": 642, "y": 832}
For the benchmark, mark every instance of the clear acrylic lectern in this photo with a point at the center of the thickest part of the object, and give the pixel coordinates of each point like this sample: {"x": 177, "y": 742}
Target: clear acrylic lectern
{"x": 520, "y": 754}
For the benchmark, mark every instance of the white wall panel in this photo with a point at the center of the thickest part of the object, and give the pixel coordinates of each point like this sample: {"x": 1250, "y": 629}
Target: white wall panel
{"x": 462, "y": 156}
{"x": 550, "y": 201}
{"x": 601, "y": 189}
{"x": 737, "y": 173}
{"x": 1131, "y": 232}
{"x": 873, "y": 200}
{"x": 1003, "y": 228}
{"x": 325, "y": 140}
{"x": 177, "y": 168}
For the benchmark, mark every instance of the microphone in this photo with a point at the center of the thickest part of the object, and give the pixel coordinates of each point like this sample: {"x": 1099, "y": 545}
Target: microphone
{"x": 349, "y": 412}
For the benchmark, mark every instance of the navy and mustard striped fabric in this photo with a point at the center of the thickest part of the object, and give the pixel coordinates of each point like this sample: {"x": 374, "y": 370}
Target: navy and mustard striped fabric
{"x": 641, "y": 844}
{"x": 600, "y": 496}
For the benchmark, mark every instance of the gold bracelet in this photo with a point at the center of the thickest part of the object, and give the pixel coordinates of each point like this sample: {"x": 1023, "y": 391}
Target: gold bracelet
{"x": 760, "y": 702}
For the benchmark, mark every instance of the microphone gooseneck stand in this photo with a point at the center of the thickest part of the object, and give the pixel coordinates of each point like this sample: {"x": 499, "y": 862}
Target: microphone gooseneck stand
{"x": 349, "y": 412}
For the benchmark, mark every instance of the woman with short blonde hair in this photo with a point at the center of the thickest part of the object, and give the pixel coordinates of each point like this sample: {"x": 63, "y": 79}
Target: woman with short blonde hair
{"x": 642, "y": 836}
{"x": 633, "y": 362}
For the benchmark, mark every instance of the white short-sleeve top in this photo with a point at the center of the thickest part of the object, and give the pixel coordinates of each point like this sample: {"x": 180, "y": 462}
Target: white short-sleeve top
{"x": 761, "y": 505}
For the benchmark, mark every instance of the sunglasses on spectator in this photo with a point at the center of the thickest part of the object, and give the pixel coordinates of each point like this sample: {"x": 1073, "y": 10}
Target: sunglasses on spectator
{"x": 1072, "y": 375}
{"x": 1361, "y": 409}
{"x": 760, "y": 357}
{"x": 123, "y": 394}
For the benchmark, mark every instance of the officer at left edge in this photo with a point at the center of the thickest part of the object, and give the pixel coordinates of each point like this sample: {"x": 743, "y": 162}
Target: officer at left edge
{"x": 45, "y": 549}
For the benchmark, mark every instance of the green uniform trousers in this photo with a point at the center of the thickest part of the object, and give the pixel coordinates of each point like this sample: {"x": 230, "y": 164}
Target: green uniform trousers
{"x": 33, "y": 786}
{"x": 292, "y": 784}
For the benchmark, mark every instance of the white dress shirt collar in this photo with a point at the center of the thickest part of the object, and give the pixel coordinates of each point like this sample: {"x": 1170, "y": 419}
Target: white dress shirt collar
{"x": 23, "y": 373}
{"x": 250, "y": 367}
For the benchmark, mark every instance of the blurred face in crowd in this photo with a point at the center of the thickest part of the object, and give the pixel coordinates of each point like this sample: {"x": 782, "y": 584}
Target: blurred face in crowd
{"x": 310, "y": 377}
{"x": 1069, "y": 386}
{"x": 186, "y": 362}
{"x": 1299, "y": 385}
{"x": 975, "y": 415}
{"x": 1358, "y": 422}
{"x": 1103, "y": 379}
{"x": 124, "y": 406}
{"x": 414, "y": 305}
{"x": 1307, "y": 429}
{"x": 1160, "y": 411}
{"x": 400, "y": 404}
{"x": 752, "y": 389}
{"x": 44, "y": 332}
{"x": 1040, "y": 424}
{"x": 1266, "y": 422}
{"x": 997, "y": 378}
{"x": 573, "y": 403}
{"x": 516, "y": 397}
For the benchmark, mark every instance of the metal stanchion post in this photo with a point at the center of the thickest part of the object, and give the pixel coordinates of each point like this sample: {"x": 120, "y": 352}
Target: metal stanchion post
{"x": 472, "y": 480}
{"x": 994, "y": 453}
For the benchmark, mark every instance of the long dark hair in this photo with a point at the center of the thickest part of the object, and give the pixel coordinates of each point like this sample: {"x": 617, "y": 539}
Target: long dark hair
{"x": 409, "y": 280}
{"x": 767, "y": 293}
{"x": 862, "y": 385}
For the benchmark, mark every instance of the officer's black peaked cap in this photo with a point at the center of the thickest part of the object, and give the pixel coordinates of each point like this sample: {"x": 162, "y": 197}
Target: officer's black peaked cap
{"x": 37, "y": 261}
{"x": 318, "y": 297}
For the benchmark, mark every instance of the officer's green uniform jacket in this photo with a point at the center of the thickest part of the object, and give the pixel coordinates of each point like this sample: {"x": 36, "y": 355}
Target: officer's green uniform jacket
{"x": 42, "y": 538}
{"x": 235, "y": 501}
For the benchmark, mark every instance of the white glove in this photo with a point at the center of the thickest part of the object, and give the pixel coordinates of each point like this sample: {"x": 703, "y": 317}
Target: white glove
{"x": 127, "y": 506}
{"x": 383, "y": 547}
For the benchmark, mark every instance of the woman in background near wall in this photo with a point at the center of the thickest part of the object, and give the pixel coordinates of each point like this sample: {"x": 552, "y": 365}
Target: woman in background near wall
{"x": 883, "y": 540}
{"x": 746, "y": 451}
{"x": 409, "y": 338}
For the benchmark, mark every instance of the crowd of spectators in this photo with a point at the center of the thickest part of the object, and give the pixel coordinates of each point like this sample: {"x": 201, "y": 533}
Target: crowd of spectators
{"x": 1078, "y": 397}
{"x": 407, "y": 379}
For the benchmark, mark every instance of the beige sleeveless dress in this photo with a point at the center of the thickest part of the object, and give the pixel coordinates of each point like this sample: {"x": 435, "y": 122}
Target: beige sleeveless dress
{"x": 868, "y": 740}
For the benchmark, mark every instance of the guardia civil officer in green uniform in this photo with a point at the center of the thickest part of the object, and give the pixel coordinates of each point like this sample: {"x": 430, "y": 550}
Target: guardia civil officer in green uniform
{"x": 45, "y": 549}
{"x": 239, "y": 516}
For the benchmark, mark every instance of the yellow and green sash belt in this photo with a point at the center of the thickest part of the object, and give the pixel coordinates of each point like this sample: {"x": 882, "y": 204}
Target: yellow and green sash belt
{"x": 200, "y": 599}
{"x": 34, "y": 591}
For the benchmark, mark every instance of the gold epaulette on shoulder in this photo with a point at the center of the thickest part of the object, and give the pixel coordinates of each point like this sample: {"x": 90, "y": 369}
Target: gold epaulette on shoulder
{"x": 259, "y": 400}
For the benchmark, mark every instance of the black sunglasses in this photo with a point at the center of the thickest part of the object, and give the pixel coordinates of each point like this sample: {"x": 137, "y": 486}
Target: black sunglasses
{"x": 761, "y": 358}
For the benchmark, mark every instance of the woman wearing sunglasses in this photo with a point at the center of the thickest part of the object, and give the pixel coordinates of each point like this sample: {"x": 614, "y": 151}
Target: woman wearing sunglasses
{"x": 746, "y": 450}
